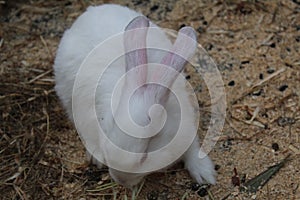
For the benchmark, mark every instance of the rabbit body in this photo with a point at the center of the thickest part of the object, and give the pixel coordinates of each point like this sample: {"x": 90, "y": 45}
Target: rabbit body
{"x": 92, "y": 28}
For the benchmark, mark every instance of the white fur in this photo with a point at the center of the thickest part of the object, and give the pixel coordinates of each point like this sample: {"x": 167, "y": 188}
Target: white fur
{"x": 91, "y": 28}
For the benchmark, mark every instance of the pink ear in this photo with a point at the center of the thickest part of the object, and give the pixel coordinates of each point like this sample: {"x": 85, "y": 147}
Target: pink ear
{"x": 182, "y": 50}
{"x": 135, "y": 50}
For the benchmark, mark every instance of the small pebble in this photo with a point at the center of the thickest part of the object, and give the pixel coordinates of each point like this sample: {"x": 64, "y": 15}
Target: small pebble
{"x": 182, "y": 25}
{"x": 18, "y": 14}
{"x": 173, "y": 172}
{"x": 153, "y": 195}
{"x": 107, "y": 197}
{"x": 195, "y": 186}
{"x": 265, "y": 115}
{"x": 217, "y": 167}
{"x": 243, "y": 179}
{"x": 164, "y": 195}
{"x": 231, "y": 83}
{"x": 201, "y": 18}
{"x": 229, "y": 141}
{"x": 235, "y": 181}
{"x": 137, "y": 2}
{"x": 283, "y": 121}
{"x": 201, "y": 29}
{"x": 261, "y": 76}
{"x": 273, "y": 45}
{"x": 257, "y": 92}
{"x": 245, "y": 62}
{"x": 270, "y": 70}
{"x": 93, "y": 175}
{"x": 282, "y": 88}
{"x": 226, "y": 144}
{"x": 209, "y": 46}
{"x": 248, "y": 117}
{"x": 155, "y": 7}
{"x": 288, "y": 65}
{"x": 275, "y": 146}
{"x": 68, "y": 3}
{"x": 202, "y": 192}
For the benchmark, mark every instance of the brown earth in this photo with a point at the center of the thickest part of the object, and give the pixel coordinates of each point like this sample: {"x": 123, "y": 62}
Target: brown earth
{"x": 256, "y": 45}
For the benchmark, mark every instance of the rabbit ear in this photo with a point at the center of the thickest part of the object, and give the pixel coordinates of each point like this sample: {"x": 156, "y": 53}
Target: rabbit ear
{"x": 135, "y": 50}
{"x": 182, "y": 50}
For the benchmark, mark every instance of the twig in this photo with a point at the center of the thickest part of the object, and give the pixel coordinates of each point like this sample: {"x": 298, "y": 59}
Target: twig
{"x": 259, "y": 84}
{"x": 226, "y": 196}
{"x": 260, "y": 21}
{"x": 37, "y": 154}
{"x": 1, "y": 42}
{"x": 220, "y": 32}
{"x": 40, "y": 76}
{"x": 79, "y": 187}
{"x": 234, "y": 128}
{"x": 20, "y": 192}
{"x": 140, "y": 188}
{"x": 184, "y": 196}
{"x": 294, "y": 149}
{"x": 37, "y": 10}
{"x": 71, "y": 161}
{"x": 13, "y": 177}
{"x": 20, "y": 27}
{"x": 61, "y": 174}
{"x": 47, "y": 48}
{"x": 210, "y": 195}
{"x": 296, "y": 188}
{"x": 254, "y": 116}
{"x": 103, "y": 187}
{"x": 274, "y": 14}
{"x": 254, "y": 123}
{"x": 256, "y": 111}
{"x": 266, "y": 41}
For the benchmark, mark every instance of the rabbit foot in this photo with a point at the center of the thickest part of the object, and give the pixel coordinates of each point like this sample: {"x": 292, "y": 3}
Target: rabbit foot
{"x": 200, "y": 168}
{"x": 93, "y": 160}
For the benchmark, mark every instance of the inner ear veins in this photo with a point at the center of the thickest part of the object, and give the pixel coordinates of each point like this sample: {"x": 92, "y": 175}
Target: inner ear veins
{"x": 143, "y": 159}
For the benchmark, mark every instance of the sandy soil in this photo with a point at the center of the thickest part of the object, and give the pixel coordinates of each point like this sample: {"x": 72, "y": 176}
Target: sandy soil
{"x": 256, "y": 45}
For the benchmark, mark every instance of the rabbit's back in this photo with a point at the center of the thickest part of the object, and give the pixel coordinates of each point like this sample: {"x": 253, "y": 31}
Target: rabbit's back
{"x": 93, "y": 27}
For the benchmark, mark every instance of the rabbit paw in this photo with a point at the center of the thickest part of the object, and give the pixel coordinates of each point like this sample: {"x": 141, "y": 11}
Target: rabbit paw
{"x": 201, "y": 168}
{"x": 93, "y": 160}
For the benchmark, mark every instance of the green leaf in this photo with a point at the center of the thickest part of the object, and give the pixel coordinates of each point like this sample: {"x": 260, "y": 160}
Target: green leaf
{"x": 260, "y": 180}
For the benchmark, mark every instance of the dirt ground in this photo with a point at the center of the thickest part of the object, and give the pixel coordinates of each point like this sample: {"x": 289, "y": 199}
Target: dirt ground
{"x": 256, "y": 45}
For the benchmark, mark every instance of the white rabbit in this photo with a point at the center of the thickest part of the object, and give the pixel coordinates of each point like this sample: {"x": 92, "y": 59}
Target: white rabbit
{"x": 94, "y": 27}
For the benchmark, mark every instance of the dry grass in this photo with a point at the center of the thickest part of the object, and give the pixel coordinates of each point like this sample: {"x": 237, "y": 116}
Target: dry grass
{"x": 255, "y": 43}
